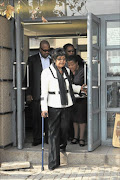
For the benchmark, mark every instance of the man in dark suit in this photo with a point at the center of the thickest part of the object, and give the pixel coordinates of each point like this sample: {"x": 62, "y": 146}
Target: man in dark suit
{"x": 37, "y": 63}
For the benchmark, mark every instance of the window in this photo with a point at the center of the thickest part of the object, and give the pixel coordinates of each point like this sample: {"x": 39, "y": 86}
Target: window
{"x": 113, "y": 33}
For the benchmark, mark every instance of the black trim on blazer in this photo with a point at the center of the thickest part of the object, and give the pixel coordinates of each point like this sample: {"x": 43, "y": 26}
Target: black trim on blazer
{"x": 53, "y": 92}
{"x": 53, "y": 74}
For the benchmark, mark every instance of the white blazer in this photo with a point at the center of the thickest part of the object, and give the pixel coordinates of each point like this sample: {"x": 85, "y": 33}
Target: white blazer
{"x": 49, "y": 83}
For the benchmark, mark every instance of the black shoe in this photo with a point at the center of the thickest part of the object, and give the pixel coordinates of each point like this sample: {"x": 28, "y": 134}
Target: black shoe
{"x": 52, "y": 168}
{"x": 62, "y": 148}
{"x": 35, "y": 143}
{"x": 74, "y": 141}
{"x": 81, "y": 142}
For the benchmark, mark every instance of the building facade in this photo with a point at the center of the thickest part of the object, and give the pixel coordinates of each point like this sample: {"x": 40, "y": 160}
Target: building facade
{"x": 107, "y": 35}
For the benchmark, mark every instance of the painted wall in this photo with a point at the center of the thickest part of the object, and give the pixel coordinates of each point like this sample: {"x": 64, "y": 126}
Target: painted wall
{"x": 103, "y": 6}
{"x": 99, "y": 7}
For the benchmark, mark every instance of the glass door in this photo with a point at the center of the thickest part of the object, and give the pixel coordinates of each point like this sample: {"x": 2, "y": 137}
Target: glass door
{"x": 93, "y": 81}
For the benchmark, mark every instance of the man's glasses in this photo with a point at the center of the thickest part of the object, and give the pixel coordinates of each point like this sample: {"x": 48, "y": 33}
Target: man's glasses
{"x": 45, "y": 50}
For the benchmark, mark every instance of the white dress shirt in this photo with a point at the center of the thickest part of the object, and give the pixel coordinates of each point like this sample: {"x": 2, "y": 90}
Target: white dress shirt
{"x": 45, "y": 61}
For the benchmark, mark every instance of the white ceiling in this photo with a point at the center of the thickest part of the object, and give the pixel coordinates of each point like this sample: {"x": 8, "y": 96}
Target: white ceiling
{"x": 56, "y": 28}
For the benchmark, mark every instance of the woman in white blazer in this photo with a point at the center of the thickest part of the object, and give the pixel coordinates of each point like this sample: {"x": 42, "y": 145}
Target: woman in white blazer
{"x": 57, "y": 97}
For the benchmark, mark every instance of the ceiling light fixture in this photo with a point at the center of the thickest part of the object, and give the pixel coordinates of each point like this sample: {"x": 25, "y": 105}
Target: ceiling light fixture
{"x": 46, "y": 23}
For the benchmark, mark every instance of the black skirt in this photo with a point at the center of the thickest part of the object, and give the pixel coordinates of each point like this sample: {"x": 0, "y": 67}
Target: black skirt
{"x": 79, "y": 111}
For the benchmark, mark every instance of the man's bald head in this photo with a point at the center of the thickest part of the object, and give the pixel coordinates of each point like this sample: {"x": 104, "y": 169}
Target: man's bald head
{"x": 44, "y": 48}
{"x": 44, "y": 42}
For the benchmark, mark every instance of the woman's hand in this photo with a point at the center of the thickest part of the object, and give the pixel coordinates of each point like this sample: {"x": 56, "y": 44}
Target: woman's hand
{"x": 84, "y": 88}
{"x": 44, "y": 114}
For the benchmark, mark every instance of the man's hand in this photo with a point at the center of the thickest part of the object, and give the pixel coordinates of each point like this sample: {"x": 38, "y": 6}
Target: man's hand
{"x": 44, "y": 114}
{"x": 29, "y": 98}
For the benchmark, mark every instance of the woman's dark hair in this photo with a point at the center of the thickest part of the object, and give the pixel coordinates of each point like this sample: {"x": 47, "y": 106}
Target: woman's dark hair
{"x": 67, "y": 45}
{"x": 76, "y": 58}
{"x": 72, "y": 58}
{"x": 57, "y": 52}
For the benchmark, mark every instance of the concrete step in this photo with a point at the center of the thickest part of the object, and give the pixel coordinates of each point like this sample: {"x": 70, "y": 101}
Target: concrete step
{"x": 75, "y": 155}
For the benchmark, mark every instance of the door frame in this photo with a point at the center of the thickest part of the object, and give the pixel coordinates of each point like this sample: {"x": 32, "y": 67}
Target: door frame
{"x": 104, "y": 78}
{"x": 20, "y": 126}
{"x": 91, "y": 144}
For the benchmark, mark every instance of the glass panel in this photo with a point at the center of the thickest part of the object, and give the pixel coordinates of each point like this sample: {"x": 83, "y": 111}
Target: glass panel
{"x": 95, "y": 29}
{"x": 95, "y": 68}
{"x": 95, "y": 74}
{"x": 113, "y": 33}
{"x": 96, "y": 127}
{"x": 95, "y": 54}
{"x": 95, "y": 98}
{"x": 113, "y": 62}
{"x": 113, "y": 94}
{"x": 110, "y": 123}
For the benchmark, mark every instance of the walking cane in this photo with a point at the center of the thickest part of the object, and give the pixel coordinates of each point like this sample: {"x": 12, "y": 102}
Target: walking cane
{"x": 42, "y": 143}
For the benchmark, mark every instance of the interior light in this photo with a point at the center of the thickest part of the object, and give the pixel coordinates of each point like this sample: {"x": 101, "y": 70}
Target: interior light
{"x": 45, "y": 23}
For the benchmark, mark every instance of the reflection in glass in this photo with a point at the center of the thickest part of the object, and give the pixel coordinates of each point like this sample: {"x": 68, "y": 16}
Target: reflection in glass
{"x": 95, "y": 98}
{"x": 113, "y": 33}
{"x": 113, "y": 94}
{"x": 96, "y": 126}
{"x": 95, "y": 74}
{"x": 113, "y": 62}
{"x": 110, "y": 123}
{"x": 95, "y": 54}
{"x": 95, "y": 68}
{"x": 95, "y": 29}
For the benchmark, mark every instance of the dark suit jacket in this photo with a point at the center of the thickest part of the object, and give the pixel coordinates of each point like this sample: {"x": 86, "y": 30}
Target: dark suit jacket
{"x": 35, "y": 69}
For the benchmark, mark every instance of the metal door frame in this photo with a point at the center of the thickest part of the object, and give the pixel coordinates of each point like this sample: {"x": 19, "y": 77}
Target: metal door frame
{"x": 20, "y": 135}
{"x": 104, "y": 78}
{"x": 91, "y": 144}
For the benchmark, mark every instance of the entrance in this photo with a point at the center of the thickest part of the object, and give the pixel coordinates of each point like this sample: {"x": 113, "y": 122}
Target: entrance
{"x": 75, "y": 28}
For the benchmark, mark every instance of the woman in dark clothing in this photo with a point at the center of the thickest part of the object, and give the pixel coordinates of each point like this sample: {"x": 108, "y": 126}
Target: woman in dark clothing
{"x": 79, "y": 110}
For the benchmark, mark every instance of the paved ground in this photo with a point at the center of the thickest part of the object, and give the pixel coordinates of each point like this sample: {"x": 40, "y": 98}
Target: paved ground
{"x": 64, "y": 172}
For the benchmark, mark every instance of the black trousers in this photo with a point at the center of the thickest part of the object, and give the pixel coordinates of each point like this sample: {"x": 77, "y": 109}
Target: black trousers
{"x": 58, "y": 124}
{"x": 37, "y": 122}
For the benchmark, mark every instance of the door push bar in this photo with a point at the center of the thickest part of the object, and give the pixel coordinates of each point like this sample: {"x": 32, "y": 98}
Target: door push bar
{"x": 27, "y": 71}
{"x": 97, "y": 61}
{"x": 85, "y": 73}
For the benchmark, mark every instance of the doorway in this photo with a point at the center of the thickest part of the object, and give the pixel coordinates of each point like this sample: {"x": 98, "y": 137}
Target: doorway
{"x": 80, "y": 45}
{"x": 76, "y": 28}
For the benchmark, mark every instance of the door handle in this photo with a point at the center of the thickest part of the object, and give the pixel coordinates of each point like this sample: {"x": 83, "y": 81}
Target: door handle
{"x": 27, "y": 76}
{"x": 14, "y": 72}
{"x": 14, "y": 76}
{"x": 85, "y": 75}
